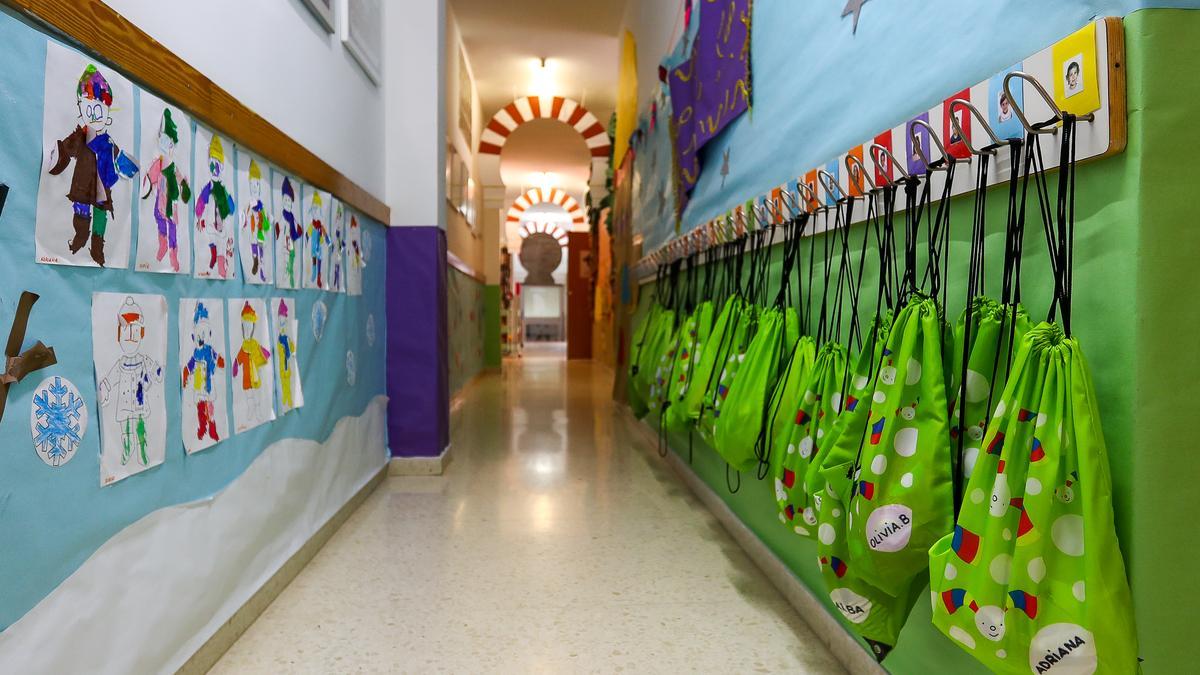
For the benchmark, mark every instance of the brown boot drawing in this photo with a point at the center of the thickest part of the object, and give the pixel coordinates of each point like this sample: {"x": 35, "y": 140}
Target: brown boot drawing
{"x": 97, "y": 249}
{"x": 83, "y": 227}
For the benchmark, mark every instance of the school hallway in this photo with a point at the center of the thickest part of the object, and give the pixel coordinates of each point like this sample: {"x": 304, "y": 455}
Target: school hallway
{"x": 556, "y": 542}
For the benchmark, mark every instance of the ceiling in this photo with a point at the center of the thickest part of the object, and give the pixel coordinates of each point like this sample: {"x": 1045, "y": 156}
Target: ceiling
{"x": 578, "y": 39}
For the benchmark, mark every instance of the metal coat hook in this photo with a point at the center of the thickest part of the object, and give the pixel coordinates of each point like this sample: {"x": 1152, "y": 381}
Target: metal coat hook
{"x": 789, "y": 200}
{"x": 854, "y": 166}
{"x": 809, "y": 195}
{"x": 877, "y": 149}
{"x": 1047, "y": 127}
{"x": 974, "y": 112}
{"x": 941, "y": 164}
{"x": 827, "y": 181}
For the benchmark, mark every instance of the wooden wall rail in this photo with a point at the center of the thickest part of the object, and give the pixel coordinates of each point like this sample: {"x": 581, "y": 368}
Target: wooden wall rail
{"x": 100, "y": 30}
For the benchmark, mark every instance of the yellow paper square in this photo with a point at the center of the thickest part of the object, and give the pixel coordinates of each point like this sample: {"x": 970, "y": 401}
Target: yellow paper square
{"x": 1074, "y": 71}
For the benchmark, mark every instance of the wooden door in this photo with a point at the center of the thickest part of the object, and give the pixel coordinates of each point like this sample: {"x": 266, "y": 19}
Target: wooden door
{"x": 580, "y": 268}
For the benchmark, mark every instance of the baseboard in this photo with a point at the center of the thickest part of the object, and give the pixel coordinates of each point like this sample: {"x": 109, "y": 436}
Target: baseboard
{"x": 419, "y": 466}
{"x": 841, "y": 644}
{"x": 216, "y": 646}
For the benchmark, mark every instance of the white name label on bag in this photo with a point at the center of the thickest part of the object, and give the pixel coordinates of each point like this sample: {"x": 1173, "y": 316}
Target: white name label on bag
{"x": 1063, "y": 649}
{"x": 889, "y": 528}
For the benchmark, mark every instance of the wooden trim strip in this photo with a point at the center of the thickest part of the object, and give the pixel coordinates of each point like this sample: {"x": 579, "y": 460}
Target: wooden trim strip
{"x": 99, "y": 29}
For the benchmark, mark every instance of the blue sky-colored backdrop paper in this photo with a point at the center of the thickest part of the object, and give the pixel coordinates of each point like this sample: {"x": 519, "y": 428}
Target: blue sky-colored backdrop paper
{"x": 818, "y": 90}
{"x": 52, "y": 519}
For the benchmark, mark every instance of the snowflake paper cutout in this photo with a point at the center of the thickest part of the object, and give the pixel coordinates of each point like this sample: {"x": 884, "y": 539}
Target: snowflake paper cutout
{"x": 58, "y": 418}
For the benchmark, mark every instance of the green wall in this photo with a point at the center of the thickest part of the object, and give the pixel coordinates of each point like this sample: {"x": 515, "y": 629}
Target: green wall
{"x": 464, "y": 327}
{"x": 1136, "y": 247}
{"x": 491, "y": 326}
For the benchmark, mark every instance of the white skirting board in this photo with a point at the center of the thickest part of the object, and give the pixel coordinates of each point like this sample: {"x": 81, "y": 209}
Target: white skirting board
{"x": 841, "y": 644}
{"x": 419, "y": 466}
{"x": 154, "y": 593}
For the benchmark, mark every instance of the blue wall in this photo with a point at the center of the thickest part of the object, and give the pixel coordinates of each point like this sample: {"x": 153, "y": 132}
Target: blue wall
{"x": 52, "y": 519}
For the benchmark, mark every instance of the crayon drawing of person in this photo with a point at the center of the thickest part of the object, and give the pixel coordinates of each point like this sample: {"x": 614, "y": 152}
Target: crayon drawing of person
{"x": 168, "y": 185}
{"x": 318, "y": 239}
{"x": 286, "y": 355}
{"x": 210, "y": 223}
{"x": 293, "y": 233}
{"x": 200, "y": 372}
{"x": 250, "y": 360}
{"x": 258, "y": 223}
{"x": 99, "y": 164}
{"x": 130, "y": 378}
{"x": 337, "y": 250}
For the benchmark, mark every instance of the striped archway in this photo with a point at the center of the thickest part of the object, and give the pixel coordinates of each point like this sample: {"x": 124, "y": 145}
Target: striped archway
{"x": 547, "y": 196}
{"x": 529, "y": 108}
{"x": 549, "y": 228}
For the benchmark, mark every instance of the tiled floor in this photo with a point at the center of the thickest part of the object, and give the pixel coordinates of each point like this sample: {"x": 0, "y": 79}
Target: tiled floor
{"x": 552, "y": 544}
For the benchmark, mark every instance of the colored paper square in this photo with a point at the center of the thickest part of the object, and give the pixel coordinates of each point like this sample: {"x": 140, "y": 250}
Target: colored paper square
{"x": 956, "y": 145}
{"x": 1001, "y": 116}
{"x": 855, "y": 178}
{"x": 810, "y": 179}
{"x": 831, "y": 168}
{"x": 1074, "y": 69}
{"x": 775, "y": 207}
{"x": 793, "y": 188}
{"x": 916, "y": 165}
{"x": 883, "y": 165}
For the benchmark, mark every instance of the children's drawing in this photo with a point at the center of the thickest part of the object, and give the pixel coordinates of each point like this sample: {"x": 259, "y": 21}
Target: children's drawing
{"x": 289, "y": 231}
{"x": 59, "y": 420}
{"x": 287, "y": 330}
{"x": 356, "y": 258}
{"x": 84, "y": 191}
{"x": 214, "y": 206}
{"x": 253, "y": 384}
{"x": 256, "y": 239}
{"x": 370, "y": 330}
{"x": 351, "y": 369}
{"x": 335, "y": 278}
{"x": 203, "y": 366}
{"x": 164, "y": 218}
{"x": 129, "y": 346}
{"x": 320, "y": 314}
{"x": 316, "y": 237}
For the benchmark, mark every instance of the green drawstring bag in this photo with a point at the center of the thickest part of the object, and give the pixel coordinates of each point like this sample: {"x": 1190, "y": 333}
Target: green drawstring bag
{"x": 743, "y": 413}
{"x": 1032, "y": 578}
{"x": 703, "y": 371}
{"x": 994, "y": 330}
{"x": 729, "y": 361}
{"x": 641, "y": 334}
{"x": 651, "y": 355}
{"x": 875, "y": 615}
{"x": 786, "y": 398}
{"x": 665, "y": 369}
{"x": 903, "y": 497}
{"x": 814, "y": 417}
{"x": 699, "y": 326}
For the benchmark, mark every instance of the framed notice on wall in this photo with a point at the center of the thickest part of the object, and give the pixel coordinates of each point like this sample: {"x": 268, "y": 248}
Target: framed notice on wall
{"x": 323, "y": 11}
{"x": 464, "y": 100}
{"x": 364, "y": 35}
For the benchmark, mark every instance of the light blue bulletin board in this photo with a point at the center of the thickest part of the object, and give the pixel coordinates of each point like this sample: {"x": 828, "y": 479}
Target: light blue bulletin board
{"x": 52, "y": 519}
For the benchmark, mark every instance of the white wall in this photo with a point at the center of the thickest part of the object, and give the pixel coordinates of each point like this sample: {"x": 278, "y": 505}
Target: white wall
{"x": 415, "y": 63}
{"x": 655, "y": 27}
{"x": 277, "y": 59}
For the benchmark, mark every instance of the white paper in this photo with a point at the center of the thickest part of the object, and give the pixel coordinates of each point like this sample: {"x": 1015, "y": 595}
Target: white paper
{"x": 355, "y": 256}
{"x": 287, "y": 337}
{"x": 256, "y": 239}
{"x": 335, "y": 267}
{"x": 164, "y": 224}
{"x": 129, "y": 348}
{"x": 316, "y": 236}
{"x": 320, "y": 315}
{"x": 289, "y": 230}
{"x": 58, "y": 417}
{"x": 252, "y": 353}
{"x": 215, "y": 226}
{"x": 203, "y": 365}
{"x": 97, "y": 227}
{"x": 351, "y": 369}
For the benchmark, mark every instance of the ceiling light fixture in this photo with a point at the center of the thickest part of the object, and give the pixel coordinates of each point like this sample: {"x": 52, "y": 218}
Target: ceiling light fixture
{"x": 543, "y": 81}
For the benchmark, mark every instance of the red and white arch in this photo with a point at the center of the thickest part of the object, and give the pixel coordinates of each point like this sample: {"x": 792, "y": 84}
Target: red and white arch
{"x": 549, "y": 228}
{"x": 555, "y": 196}
{"x": 529, "y": 108}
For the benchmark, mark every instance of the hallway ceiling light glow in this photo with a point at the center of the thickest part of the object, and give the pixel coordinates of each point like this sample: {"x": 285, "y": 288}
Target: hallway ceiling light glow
{"x": 543, "y": 78}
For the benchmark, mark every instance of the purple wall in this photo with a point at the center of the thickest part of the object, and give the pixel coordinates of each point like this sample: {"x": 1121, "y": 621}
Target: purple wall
{"x": 418, "y": 389}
